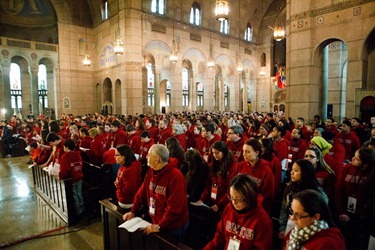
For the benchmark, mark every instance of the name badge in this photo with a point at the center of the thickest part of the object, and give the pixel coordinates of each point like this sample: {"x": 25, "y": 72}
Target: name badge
{"x": 152, "y": 206}
{"x": 234, "y": 244}
{"x": 214, "y": 192}
{"x": 352, "y": 204}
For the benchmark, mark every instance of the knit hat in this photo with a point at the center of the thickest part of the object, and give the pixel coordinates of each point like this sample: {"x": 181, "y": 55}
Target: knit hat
{"x": 322, "y": 144}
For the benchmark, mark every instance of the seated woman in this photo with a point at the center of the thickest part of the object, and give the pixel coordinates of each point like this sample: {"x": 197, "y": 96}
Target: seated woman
{"x": 314, "y": 228}
{"x": 244, "y": 223}
{"x": 128, "y": 178}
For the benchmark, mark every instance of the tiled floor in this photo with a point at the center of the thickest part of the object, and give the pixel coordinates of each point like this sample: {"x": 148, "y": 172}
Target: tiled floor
{"x": 25, "y": 215}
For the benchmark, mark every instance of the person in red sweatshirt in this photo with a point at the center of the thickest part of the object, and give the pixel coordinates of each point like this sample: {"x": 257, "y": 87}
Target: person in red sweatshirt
{"x": 152, "y": 128}
{"x": 352, "y": 195}
{"x": 314, "y": 226}
{"x": 244, "y": 224}
{"x": 71, "y": 167}
{"x": 128, "y": 178}
{"x": 134, "y": 140}
{"x": 281, "y": 146}
{"x": 259, "y": 169}
{"x": 348, "y": 140}
{"x": 164, "y": 191}
{"x": 208, "y": 138}
{"x": 235, "y": 141}
{"x": 119, "y": 136}
{"x": 146, "y": 143}
{"x": 164, "y": 131}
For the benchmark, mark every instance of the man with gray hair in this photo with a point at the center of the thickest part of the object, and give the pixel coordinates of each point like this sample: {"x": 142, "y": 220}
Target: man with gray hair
{"x": 164, "y": 191}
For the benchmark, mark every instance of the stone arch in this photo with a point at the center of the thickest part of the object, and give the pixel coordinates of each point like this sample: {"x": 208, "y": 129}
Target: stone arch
{"x": 118, "y": 97}
{"x": 51, "y": 82}
{"x": 329, "y": 79}
{"x": 24, "y": 65}
{"x": 107, "y": 96}
{"x": 367, "y": 108}
{"x": 368, "y": 58}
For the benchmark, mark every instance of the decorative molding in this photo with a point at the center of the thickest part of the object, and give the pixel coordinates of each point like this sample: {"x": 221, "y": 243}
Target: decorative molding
{"x": 158, "y": 28}
{"x": 19, "y": 44}
{"x": 357, "y": 11}
{"x": 336, "y": 5}
{"x": 195, "y": 37}
{"x": 224, "y": 45}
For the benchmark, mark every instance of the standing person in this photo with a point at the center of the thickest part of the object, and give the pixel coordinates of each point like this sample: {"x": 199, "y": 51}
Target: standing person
{"x": 164, "y": 131}
{"x": 146, "y": 143}
{"x": 270, "y": 155}
{"x": 57, "y": 145}
{"x": 196, "y": 174}
{"x": 244, "y": 224}
{"x": 118, "y": 136}
{"x": 164, "y": 192}
{"x": 97, "y": 147}
{"x": 235, "y": 141}
{"x": 128, "y": 178}
{"x": 351, "y": 196}
{"x": 152, "y": 128}
{"x": 281, "y": 146}
{"x": 223, "y": 164}
{"x": 134, "y": 139}
{"x": 302, "y": 177}
{"x": 208, "y": 138}
{"x": 71, "y": 167}
{"x": 314, "y": 228}
{"x": 259, "y": 169}
{"x": 348, "y": 140}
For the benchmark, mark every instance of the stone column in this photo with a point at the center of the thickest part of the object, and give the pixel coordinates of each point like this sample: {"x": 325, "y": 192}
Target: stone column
{"x": 156, "y": 92}
{"x": 34, "y": 90}
{"x": 6, "y": 101}
{"x": 325, "y": 84}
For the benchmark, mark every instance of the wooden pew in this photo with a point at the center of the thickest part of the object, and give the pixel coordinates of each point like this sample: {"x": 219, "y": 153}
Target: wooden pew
{"x": 57, "y": 193}
{"x": 119, "y": 238}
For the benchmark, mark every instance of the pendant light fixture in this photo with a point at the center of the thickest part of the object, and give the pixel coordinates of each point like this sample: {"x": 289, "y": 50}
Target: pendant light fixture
{"x": 221, "y": 10}
{"x": 278, "y": 33}
{"x": 173, "y": 58}
{"x": 119, "y": 45}
{"x": 86, "y": 60}
{"x": 210, "y": 62}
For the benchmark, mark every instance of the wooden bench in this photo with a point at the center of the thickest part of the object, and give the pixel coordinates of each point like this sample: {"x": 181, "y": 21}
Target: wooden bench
{"x": 57, "y": 193}
{"x": 119, "y": 238}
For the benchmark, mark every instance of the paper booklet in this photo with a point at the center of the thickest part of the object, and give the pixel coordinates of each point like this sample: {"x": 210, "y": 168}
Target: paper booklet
{"x": 200, "y": 204}
{"x": 134, "y": 224}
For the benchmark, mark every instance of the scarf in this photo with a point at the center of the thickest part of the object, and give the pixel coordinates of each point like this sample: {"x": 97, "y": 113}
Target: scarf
{"x": 322, "y": 144}
{"x": 298, "y": 236}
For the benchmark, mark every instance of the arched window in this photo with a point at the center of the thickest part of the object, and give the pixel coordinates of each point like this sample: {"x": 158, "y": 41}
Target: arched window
{"x": 158, "y": 7}
{"x": 248, "y": 33}
{"x": 185, "y": 87}
{"x": 42, "y": 86}
{"x": 15, "y": 86}
{"x": 224, "y": 26}
{"x": 150, "y": 85}
{"x": 104, "y": 10}
{"x": 168, "y": 93}
{"x": 200, "y": 94}
{"x": 195, "y": 14}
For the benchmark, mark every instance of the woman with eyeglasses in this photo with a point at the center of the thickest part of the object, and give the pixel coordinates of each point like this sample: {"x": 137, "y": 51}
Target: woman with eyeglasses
{"x": 244, "y": 223}
{"x": 128, "y": 178}
{"x": 324, "y": 174}
{"x": 314, "y": 227}
{"x": 302, "y": 177}
{"x": 355, "y": 198}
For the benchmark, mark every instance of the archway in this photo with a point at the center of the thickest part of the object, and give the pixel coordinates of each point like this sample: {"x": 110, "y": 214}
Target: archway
{"x": 367, "y": 108}
{"x": 331, "y": 58}
{"x": 118, "y": 97}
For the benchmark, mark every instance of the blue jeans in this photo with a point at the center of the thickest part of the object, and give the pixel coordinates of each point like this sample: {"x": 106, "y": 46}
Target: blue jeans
{"x": 179, "y": 234}
{"x": 77, "y": 196}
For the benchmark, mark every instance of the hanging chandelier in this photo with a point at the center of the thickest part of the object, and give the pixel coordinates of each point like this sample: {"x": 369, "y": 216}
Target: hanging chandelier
{"x": 119, "y": 45}
{"x": 173, "y": 57}
{"x": 86, "y": 61}
{"x": 221, "y": 10}
{"x": 278, "y": 33}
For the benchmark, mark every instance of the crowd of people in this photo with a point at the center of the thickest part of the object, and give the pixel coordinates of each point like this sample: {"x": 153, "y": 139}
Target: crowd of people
{"x": 316, "y": 180}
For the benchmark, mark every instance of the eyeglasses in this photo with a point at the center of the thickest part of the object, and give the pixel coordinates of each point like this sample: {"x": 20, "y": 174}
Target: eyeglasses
{"x": 297, "y": 216}
{"x": 310, "y": 156}
{"x": 238, "y": 200}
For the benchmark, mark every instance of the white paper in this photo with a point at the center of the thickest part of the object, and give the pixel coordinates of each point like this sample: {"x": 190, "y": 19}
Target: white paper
{"x": 371, "y": 243}
{"x": 84, "y": 149}
{"x": 199, "y": 204}
{"x": 136, "y": 156}
{"x": 134, "y": 224}
{"x": 27, "y": 148}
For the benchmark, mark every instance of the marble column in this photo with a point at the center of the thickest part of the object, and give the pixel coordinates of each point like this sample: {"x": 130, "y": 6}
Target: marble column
{"x": 6, "y": 101}
{"x": 157, "y": 92}
{"x": 34, "y": 90}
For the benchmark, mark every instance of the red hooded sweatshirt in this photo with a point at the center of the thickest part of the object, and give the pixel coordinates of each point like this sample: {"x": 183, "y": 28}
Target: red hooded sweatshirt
{"x": 167, "y": 187}
{"x": 128, "y": 182}
{"x": 71, "y": 166}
